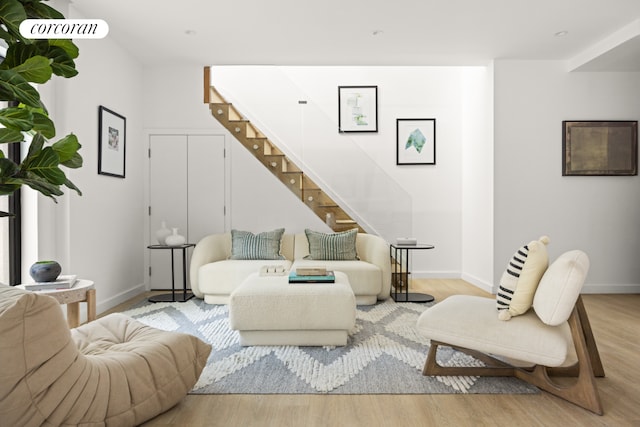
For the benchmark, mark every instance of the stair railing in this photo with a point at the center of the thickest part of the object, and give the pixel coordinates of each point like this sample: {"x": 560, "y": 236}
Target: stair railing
{"x": 309, "y": 137}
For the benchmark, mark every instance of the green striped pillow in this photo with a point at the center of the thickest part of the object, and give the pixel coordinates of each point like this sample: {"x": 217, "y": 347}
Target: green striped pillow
{"x": 335, "y": 246}
{"x": 266, "y": 245}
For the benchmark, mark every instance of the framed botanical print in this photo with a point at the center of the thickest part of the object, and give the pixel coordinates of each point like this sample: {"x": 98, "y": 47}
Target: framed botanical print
{"x": 415, "y": 141}
{"x": 357, "y": 109}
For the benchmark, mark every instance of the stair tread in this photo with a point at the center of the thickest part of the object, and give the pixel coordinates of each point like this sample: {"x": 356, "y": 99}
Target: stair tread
{"x": 250, "y": 136}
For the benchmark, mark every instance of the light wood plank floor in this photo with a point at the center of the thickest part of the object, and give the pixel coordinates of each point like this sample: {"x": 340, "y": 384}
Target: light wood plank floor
{"x": 616, "y": 324}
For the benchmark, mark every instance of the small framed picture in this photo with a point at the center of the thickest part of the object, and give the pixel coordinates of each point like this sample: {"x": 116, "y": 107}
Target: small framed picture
{"x": 357, "y": 109}
{"x": 415, "y": 141}
{"x": 112, "y": 136}
{"x": 599, "y": 148}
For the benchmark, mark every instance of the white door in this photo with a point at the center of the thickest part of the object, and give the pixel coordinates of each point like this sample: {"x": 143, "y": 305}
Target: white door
{"x": 187, "y": 192}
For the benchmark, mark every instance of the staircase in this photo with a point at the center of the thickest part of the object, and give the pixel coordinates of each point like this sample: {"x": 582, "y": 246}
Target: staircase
{"x": 266, "y": 152}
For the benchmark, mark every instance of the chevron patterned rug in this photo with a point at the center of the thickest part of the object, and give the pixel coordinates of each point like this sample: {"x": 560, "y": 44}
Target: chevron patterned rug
{"x": 384, "y": 355}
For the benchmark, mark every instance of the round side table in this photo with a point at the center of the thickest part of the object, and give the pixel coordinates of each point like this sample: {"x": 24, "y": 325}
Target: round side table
{"x": 82, "y": 291}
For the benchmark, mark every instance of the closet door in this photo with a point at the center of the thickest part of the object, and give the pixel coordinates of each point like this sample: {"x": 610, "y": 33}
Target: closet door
{"x": 206, "y": 189}
{"x": 187, "y": 192}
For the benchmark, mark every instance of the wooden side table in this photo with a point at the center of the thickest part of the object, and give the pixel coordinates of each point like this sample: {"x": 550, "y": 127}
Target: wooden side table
{"x": 82, "y": 291}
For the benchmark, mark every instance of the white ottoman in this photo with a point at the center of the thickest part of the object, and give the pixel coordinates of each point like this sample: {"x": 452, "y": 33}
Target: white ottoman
{"x": 268, "y": 310}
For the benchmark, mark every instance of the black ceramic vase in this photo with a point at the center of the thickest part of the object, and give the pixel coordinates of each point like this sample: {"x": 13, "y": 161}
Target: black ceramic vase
{"x": 45, "y": 271}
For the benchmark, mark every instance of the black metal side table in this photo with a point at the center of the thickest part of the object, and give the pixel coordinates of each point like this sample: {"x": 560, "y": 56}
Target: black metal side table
{"x": 172, "y": 296}
{"x": 401, "y": 272}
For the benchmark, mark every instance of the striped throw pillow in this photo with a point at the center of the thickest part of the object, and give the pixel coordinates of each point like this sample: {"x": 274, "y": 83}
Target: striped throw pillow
{"x": 520, "y": 279}
{"x": 333, "y": 246}
{"x": 246, "y": 245}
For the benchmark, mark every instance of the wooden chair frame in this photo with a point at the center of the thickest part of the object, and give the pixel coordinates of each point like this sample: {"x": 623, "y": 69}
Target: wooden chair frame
{"x": 582, "y": 392}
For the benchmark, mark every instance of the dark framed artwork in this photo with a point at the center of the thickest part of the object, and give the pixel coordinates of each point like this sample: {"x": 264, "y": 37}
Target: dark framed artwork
{"x": 599, "y": 147}
{"x": 415, "y": 141}
{"x": 357, "y": 109}
{"x": 112, "y": 138}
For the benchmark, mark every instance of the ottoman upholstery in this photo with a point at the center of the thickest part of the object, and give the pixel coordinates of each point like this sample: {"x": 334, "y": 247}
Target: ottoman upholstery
{"x": 271, "y": 311}
{"x": 113, "y": 371}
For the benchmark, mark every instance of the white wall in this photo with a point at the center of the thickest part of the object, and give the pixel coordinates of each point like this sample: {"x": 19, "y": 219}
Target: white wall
{"x": 453, "y": 97}
{"x": 257, "y": 201}
{"x": 98, "y": 235}
{"x": 599, "y": 215}
{"x": 435, "y": 190}
{"x": 477, "y": 179}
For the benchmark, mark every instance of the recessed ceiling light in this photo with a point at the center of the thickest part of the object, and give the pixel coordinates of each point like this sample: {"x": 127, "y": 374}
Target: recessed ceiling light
{"x": 561, "y": 33}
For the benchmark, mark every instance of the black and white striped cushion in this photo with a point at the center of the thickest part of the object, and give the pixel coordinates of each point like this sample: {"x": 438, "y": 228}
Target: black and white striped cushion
{"x": 521, "y": 277}
{"x": 509, "y": 281}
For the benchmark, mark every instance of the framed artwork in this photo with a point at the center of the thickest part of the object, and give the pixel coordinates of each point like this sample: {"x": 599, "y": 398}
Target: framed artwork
{"x": 112, "y": 136}
{"x": 357, "y": 109}
{"x": 599, "y": 148}
{"x": 415, "y": 141}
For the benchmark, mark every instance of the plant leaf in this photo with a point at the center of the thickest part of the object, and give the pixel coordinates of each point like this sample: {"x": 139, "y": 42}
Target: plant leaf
{"x": 45, "y": 165}
{"x": 8, "y": 169}
{"x": 62, "y": 64}
{"x": 6, "y": 189}
{"x": 73, "y": 163}
{"x": 10, "y": 135}
{"x": 72, "y": 186}
{"x": 35, "y": 147}
{"x": 43, "y": 124}
{"x": 35, "y": 69}
{"x": 8, "y": 182}
{"x": 43, "y": 186}
{"x": 67, "y": 45}
{"x": 35, "y": 9}
{"x": 66, "y": 148}
{"x": 16, "y": 118}
{"x": 17, "y": 54}
{"x": 12, "y": 13}
{"x": 4, "y": 35}
{"x": 14, "y": 87}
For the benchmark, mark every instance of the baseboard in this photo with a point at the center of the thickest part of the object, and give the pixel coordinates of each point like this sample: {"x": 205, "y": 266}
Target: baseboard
{"x": 588, "y": 288}
{"x": 109, "y": 303}
{"x": 478, "y": 283}
{"x": 435, "y": 274}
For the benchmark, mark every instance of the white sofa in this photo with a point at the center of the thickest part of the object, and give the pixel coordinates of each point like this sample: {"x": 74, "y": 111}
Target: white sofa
{"x": 214, "y": 276}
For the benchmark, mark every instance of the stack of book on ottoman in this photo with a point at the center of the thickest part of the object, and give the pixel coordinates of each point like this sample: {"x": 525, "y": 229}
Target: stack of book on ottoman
{"x": 311, "y": 275}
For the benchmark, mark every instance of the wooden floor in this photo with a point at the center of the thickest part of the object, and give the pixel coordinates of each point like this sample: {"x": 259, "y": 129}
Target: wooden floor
{"x": 616, "y": 324}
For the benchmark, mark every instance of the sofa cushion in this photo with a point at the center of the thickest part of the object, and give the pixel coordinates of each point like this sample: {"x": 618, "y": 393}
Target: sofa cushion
{"x": 333, "y": 246}
{"x": 525, "y": 338}
{"x": 223, "y": 277}
{"x": 520, "y": 279}
{"x": 248, "y": 246}
{"x": 365, "y": 278}
{"x": 560, "y": 287}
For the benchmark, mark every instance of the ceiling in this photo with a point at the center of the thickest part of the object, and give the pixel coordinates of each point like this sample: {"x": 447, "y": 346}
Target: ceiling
{"x": 600, "y": 35}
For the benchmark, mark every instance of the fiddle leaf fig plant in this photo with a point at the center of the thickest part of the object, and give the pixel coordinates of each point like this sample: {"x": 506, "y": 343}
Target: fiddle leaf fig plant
{"x": 24, "y": 116}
